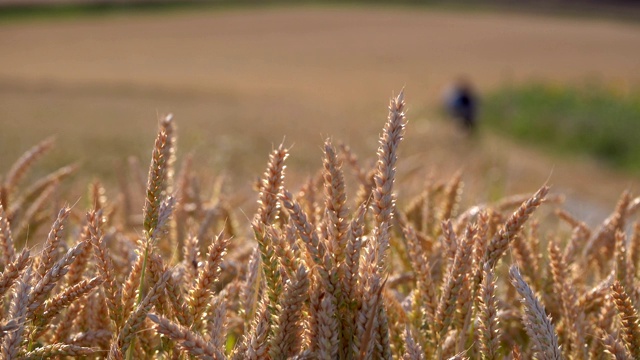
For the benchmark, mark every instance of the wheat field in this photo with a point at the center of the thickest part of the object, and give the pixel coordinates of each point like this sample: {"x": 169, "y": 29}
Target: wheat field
{"x": 165, "y": 270}
{"x": 240, "y": 80}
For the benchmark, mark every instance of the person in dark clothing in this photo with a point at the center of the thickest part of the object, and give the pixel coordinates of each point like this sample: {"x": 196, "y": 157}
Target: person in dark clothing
{"x": 462, "y": 104}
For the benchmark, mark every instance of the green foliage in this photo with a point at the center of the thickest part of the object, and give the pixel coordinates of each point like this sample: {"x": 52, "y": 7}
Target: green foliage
{"x": 591, "y": 119}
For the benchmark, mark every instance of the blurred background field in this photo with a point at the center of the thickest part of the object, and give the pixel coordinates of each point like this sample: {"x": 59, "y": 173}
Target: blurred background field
{"x": 592, "y": 119}
{"x": 242, "y": 79}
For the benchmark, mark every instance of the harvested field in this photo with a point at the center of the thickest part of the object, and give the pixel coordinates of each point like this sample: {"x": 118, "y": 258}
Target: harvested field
{"x": 241, "y": 80}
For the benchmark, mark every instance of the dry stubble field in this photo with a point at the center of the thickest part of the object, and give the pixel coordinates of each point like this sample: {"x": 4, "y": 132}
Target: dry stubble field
{"x": 241, "y": 81}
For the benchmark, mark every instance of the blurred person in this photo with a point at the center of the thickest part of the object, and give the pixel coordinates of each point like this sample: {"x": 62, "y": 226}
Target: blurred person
{"x": 462, "y": 104}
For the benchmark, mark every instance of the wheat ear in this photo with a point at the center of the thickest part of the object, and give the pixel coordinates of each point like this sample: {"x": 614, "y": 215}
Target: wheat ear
{"x": 500, "y": 242}
{"x": 6, "y": 239}
{"x": 62, "y": 300}
{"x": 309, "y": 236}
{"x": 452, "y": 284}
{"x": 271, "y": 186}
{"x": 17, "y": 314}
{"x": 49, "y": 253}
{"x": 383, "y": 201}
{"x": 78, "y": 267}
{"x": 452, "y": 193}
{"x": 22, "y": 224}
{"x": 34, "y": 190}
{"x": 131, "y": 284}
{"x": 488, "y": 323}
{"x": 535, "y": 320}
{"x": 25, "y": 162}
{"x": 179, "y": 305}
{"x": 614, "y": 347}
{"x": 51, "y": 350}
{"x": 12, "y": 271}
{"x": 413, "y": 350}
{"x": 258, "y": 339}
{"x": 105, "y": 268}
{"x": 328, "y": 328}
{"x": 191, "y": 342}
{"x": 202, "y": 290}
{"x": 157, "y": 180}
{"x": 629, "y": 318}
{"x": 250, "y": 288}
{"x": 127, "y": 335}
{"x": 44, "y": 286}
{"x": 574, "y": 316}
{"x": 336, "y": 199}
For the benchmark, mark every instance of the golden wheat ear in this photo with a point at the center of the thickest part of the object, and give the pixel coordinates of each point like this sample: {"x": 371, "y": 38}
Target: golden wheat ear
{"x": 452, "y": 286}
{"x": 27, "y": 219}
{"x": 18, "y": 311}
{"x": 105, "y": 267}
{"x": 600, "y": 247}
{"x": 413, "y": 350}
{"x": 383, "y": 198}
{"x": 628, "y": 318}
{"x": 19, "y": 169}
{"x": 572, "y": 315}
{"x": 614, "y": 347}
{"x": 488, "y": 324}
{"x": 337, "y": 222}
{"x": 452, "y": 195}
{"x": 33, "y": 192}
{"x": 536, "y": 321}
{"x": 191, "y": 342}
{"x": 134, "y": 322}
{"x": 157, "y": 180}
{"x": 45, "y": 283}
{"x": 201, "y": 292}
{"x": 289, "y": 326}
{"x": 7, "y": 246}
{"x": 271, "y": 186}
{"x": 13, "y": 270}
{"x": 500, "y": 242}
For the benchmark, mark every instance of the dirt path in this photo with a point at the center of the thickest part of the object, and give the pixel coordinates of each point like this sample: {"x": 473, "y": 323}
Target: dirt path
{"x": 240, "y": 80}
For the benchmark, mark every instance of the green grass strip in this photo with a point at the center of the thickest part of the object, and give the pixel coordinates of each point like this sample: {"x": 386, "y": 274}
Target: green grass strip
{"x": 591, "y": 119}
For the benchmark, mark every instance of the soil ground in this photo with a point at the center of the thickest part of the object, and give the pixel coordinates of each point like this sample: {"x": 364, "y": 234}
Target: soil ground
{"x": 240, "y": 81}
